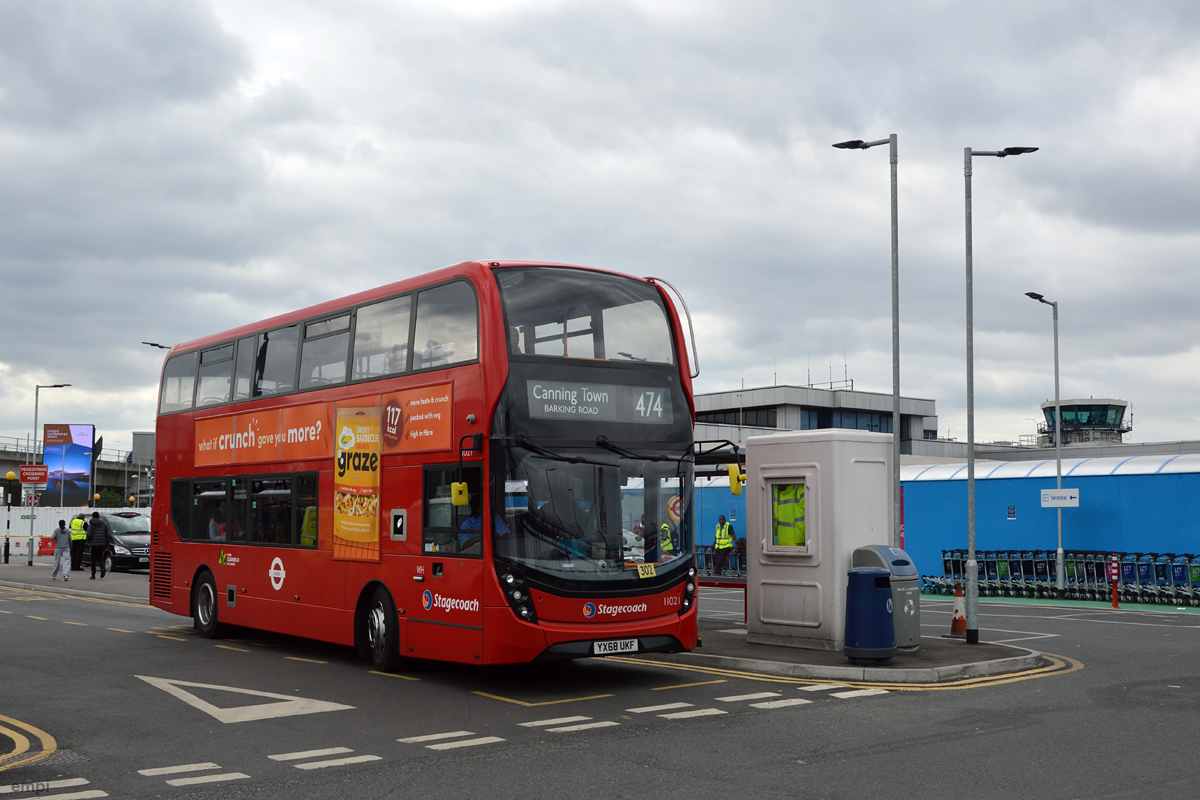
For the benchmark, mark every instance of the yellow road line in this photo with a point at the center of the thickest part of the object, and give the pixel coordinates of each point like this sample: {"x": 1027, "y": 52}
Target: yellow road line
{"x": 5, "y": 612}
{"x": 545, "y": 703}
{"x": 685, "y": 685}
{"x": 309, "y": 660}
{"x": 229, "y": 647}
{"x": 42, "y": 594}
{"x": 20, "y": 744}
{"x": 81, "y": 624}
{"x": 49, "y": 746}
{"x": 172, "y": 638}
{"x": 390, "y": 675}
{"x": 120, "y": 630}
{"x": 31, "y": 616}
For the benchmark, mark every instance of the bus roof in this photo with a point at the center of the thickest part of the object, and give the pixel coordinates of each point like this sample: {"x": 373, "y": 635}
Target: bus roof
{"x": 476, "y": 269}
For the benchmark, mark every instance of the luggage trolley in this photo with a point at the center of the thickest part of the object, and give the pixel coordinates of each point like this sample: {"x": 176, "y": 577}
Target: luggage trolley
{"x": 1181, "y": 583}
{"x": 1128, "y": 588}
{"x": 1164, "y": 592}
{"x": 1145, "y": 578}
{"x": 1028, "y": 577}
{"x": 1194, "y": 577}
{"x": 990, "y": 586}
{"x": 1041, "y": 573}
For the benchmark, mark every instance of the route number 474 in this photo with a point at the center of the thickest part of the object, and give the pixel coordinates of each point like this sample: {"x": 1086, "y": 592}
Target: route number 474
{"x": 649, "y": 404}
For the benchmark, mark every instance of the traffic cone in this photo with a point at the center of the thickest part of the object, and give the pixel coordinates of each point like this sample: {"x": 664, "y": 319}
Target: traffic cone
{"x": 958, "y": 626}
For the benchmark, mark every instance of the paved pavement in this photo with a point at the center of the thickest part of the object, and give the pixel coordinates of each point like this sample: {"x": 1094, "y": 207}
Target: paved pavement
{"x": 723, "y": 636}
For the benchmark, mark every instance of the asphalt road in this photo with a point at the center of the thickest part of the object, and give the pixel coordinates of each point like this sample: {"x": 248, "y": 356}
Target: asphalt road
{"x": 138, "y": 706}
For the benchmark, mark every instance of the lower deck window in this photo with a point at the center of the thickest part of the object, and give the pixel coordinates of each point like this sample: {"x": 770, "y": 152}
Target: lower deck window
{"x": 247, "y": 509}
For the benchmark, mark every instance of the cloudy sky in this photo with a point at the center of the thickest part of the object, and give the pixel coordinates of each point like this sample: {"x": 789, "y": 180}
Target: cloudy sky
{"x": 172, "y": 169}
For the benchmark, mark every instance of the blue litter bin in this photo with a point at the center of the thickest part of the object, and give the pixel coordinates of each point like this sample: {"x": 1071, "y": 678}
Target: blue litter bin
{"x": 870, "y": 630}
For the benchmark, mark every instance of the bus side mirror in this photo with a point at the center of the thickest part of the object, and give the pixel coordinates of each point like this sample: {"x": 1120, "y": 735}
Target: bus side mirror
{"x": 736, "y": 479}
{"x": 458, "y": 493}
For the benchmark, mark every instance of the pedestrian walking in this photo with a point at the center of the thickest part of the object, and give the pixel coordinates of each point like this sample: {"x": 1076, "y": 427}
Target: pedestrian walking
{"x": 723, "y": 545}
{"x": 99, "y": 537}
{"x": 62, "y": 551}
{"x": 78, "y": 541}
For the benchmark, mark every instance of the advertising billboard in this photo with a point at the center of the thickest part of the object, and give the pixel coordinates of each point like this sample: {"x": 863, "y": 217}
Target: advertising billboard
{"x": 67, "y": 454}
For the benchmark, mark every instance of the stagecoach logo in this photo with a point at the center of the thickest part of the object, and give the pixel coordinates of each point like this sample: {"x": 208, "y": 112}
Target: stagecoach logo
{"x": 591, "y": 609}
{"x": 277, "y": 574}
{"x": 429, "y": 601}
{"x": 227, "y": 560}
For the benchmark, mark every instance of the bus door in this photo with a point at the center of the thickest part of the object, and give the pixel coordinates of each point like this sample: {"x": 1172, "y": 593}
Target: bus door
{"x": 446, "y": 601}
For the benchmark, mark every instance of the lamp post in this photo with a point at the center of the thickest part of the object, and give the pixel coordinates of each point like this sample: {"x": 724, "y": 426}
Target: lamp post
{"x": 156, "y": 344}
{"x": 1060, "y": 578}
{"x": 972, "y": 568}
{"x": 897, "y": 520}
{"x": 37, "y": 389}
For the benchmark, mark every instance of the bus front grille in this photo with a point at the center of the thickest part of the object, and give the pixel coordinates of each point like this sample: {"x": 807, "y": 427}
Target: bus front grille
{"x": 160, "y": 576}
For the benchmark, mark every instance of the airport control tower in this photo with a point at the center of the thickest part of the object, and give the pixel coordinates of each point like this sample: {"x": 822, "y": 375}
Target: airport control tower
{"x": 1087, "y": 421}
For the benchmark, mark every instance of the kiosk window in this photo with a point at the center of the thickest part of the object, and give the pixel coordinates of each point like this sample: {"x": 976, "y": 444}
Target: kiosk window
{"x": 787, "y": 515}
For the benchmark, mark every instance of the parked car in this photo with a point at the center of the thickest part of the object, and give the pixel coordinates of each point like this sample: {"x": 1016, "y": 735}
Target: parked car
{"x": 131, "y": 541}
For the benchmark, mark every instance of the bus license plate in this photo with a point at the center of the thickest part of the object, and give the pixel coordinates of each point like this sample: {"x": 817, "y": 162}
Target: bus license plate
{"x": 615, "y": 646}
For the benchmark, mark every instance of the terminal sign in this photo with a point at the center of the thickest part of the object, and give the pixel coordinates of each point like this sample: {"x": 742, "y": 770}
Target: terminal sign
{"x": 1060, "y": 498}
{"x": 599, "y": 402}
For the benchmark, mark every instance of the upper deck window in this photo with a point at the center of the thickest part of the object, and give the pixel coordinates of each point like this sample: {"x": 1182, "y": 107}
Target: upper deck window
{"x": 216, "y": 373}
{"x": 571, "y": 313}
{"x": 326, "y": 345}
{"x": 447, "y": 329}
{"x": 381, "y": 339}
{"x": 275, "y": 362}
{"x": 178, "y": 383}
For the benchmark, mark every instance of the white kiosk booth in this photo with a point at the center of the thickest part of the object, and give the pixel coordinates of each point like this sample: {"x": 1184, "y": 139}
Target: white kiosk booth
{"x": 812, "y": 497}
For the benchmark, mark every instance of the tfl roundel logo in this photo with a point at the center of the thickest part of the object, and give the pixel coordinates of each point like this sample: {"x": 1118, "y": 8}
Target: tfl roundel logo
{"x": 589, "y": 610}
{"x": 427, "y": 600}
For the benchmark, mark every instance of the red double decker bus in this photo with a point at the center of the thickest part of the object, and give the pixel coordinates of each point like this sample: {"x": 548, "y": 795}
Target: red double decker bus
{"x": 490, "y": 463}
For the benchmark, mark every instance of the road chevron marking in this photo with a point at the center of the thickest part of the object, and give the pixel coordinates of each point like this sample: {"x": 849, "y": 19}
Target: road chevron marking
{"x": 287, "y": 706}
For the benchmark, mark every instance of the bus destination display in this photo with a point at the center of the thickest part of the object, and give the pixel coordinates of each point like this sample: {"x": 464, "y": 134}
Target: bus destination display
{"x": 599, "y": 402}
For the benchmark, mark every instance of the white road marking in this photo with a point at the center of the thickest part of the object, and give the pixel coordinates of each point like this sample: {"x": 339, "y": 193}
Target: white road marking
{"x": 821, "y": 687}
{"x": 585, "y": 727}
{"x": 735, "y": 631}
{"x": 650, "y": 709}
{"x": 466, "y": 743}
{"x": 90, "y": 793}
{"x": 224, "y": 776}
{"x": 699, "y": 712}
{"x": 791, "y": 701}
{"x": 860, "y": 693}
{"x": 287, "y": 705}
{"x": 176, "y": 770}
{"x": 559, "y": 721}
{"x": 737, "y": 698}
{"x": 329, "y": 751}
{"x": 433, "y": 737}
{"x": 336, "y": 762}
{"x": 41, "y": 786}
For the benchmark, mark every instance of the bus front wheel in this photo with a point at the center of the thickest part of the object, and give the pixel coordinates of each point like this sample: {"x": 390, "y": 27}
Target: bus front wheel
{"x": 383, "y": 628}
{"x": 204, "y": 609}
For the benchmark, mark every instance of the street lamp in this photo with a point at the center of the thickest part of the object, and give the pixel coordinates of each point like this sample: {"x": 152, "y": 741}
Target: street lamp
{"x": 897, "y": 522}
{"x": 1061, "y": 578}
{"x": 972, "y": 568}
{"x": 37, "y": 389}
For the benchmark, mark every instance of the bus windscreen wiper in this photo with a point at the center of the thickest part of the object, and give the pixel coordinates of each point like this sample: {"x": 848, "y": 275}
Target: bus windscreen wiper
{"x": 604, "y": 442}
{"x": 525, "y": 444}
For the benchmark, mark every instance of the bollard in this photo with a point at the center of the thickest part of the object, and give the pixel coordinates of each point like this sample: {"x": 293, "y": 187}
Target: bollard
{"x": 1116, "y": 577}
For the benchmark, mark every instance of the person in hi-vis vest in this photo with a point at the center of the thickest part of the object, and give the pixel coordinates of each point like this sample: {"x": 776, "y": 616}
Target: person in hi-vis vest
{"x": 787, "y": 514}
{"x": 723, "y": 545}
{"x": 78, "y": 537}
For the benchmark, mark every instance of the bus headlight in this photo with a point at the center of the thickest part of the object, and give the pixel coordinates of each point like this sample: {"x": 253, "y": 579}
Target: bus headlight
{"x": 512, "y": 582}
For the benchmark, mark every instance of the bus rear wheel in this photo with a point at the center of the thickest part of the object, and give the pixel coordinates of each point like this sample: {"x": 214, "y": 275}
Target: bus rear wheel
{"x": 204, "y": 609}
{"x": 382, "y": 634}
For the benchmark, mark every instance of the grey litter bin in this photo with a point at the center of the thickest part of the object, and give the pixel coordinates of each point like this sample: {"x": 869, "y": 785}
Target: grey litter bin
{"x": 906, "y": 591}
